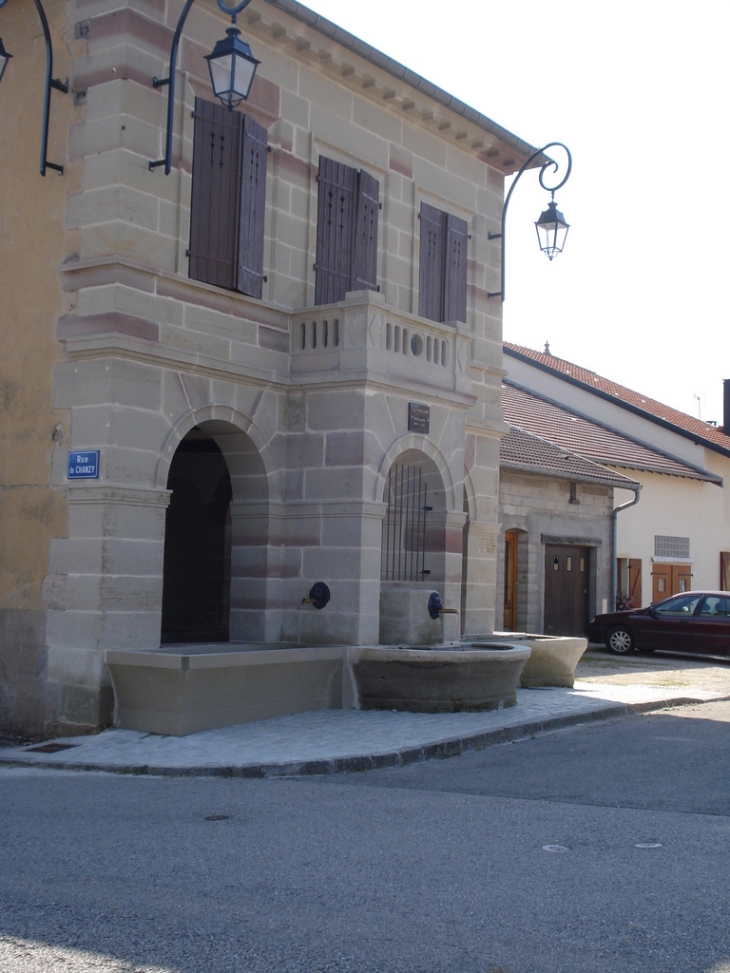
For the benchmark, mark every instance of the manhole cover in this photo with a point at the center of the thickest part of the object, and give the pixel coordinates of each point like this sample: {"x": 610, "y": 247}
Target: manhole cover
{"x": 554, "y": 848}
{"x": 216, "y": 817}
{"x": 51, "y": 747}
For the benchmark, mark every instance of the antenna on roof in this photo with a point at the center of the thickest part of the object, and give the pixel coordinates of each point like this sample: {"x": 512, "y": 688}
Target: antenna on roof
{"x": 547, "y": 348}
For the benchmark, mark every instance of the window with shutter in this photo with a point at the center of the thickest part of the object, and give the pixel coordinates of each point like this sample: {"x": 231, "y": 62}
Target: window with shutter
{"x": 442, "y": 270}
{"x": 228, "y": 199}
{"x": 348, "y": 204}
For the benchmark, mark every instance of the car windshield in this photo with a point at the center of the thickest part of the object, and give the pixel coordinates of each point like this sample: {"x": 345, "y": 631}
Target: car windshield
{"x": 680, "y": 605}
{"x": 716, "y": 605}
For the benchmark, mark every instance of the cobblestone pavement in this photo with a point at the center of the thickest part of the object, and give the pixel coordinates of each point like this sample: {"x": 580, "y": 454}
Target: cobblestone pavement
{"x": 329, "y": 741}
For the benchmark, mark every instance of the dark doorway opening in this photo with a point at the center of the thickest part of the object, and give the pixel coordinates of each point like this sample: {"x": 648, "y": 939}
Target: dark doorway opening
{"x": 567, "y": 572}
{"x": 196, "y": 588}
{"x": 510, "y": 581}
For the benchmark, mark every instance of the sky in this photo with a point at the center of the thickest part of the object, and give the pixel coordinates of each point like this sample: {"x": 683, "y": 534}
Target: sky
{"x": 638, "y": 90}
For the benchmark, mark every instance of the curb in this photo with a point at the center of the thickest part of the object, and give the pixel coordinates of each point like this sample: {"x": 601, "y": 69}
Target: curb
{"x": 450, "y": 747}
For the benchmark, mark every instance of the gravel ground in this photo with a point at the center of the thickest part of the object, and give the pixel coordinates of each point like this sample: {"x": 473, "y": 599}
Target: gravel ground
{"x": 661, "y": 669}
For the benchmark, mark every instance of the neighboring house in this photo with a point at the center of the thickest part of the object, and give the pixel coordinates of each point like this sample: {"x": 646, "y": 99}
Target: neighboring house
{"x": 283, "y": 351}
{"x": 555, "y": 508}
{"x": 678, "y": 535}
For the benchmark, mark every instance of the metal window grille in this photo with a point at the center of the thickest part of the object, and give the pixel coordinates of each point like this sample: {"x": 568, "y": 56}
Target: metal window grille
{"x": 403, "y": 556}
{"x": 666, "y": 546}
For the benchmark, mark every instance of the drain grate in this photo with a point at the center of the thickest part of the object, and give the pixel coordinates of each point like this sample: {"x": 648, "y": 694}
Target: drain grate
{"x": 51, "y": 747}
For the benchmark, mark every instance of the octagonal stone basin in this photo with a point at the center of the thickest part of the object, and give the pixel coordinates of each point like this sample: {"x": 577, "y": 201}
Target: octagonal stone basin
{"x": 440, "y": 680}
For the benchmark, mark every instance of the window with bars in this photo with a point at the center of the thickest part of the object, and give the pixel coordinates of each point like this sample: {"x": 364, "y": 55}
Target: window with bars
{"x": 442, "y": 265}
{"x": 403, "y": 551}
{"x": 228, "y": 199}
{"x": 348, "y": 204}
{"x": 667, "y": 546}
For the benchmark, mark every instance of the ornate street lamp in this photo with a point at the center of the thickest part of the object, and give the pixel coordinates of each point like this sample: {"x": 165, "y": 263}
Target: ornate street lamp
{"x": 4, "y": 58}
{"x": 232, "y": 68}
{"x": 551, "y": 226}
{"x": 552, "y": 230}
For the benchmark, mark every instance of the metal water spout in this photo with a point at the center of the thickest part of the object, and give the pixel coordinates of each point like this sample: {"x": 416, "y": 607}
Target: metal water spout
{"x": 319, "y": 595}
{"x": 436, "y": 607}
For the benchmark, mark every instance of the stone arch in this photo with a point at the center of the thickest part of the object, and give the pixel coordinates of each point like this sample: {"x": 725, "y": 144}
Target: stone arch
{"x": 248, "y": 514}
{"x": 413, "y": 543}
{"x": 224, "y": 424}
{"x": 413, "y": 442}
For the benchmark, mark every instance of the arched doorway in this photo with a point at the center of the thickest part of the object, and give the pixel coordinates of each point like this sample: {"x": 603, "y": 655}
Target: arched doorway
{"x": 414, "y": 529}
{"x": 413, "y": 550}
{"x": 197, "y": 565}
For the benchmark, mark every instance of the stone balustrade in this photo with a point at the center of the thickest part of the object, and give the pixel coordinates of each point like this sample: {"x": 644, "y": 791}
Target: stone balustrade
{"x": 364, "y": 335}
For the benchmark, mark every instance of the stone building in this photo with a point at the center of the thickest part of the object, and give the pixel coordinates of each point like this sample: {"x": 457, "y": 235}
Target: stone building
{"x": 282, "y": 352}
{"x": 678, "y": 537}
{"x": 581, "y": 496}
{"x": 555, "y": 509}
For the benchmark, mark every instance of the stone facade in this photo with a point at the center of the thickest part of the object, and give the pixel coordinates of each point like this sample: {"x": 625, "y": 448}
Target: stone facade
{"x": 543, "y": 507}
{"x": 110, "y": 345}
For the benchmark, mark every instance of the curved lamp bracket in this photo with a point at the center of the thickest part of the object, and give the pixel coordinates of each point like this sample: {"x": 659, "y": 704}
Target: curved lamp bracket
{"x": 51, "y": 82}
{"x": 551, "y": 164}
{"x": 170, "y": 79}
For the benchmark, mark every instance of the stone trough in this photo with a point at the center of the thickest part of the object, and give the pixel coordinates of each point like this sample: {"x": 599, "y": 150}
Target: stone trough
{"x": 552, "y": 660}
{"x": 188, "y": 688}
{"x": 441, "y": 679}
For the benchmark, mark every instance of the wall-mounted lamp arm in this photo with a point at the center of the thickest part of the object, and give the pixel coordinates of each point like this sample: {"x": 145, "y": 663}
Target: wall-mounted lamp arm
{"x": 556, "y": 166}
{"x": 51, "y": 82}
{"x": 170, "y": 79}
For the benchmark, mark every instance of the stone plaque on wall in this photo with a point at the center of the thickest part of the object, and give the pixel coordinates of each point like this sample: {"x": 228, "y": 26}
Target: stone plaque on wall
{"x": 419, "y": 418}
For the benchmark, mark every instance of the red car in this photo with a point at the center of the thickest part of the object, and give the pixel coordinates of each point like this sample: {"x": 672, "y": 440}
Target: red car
{"x": 695, "y": 621}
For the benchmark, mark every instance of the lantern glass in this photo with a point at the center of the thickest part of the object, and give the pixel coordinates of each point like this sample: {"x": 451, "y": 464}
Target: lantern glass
{"x": 4, "y": 58}
{"x": 232, "y": 68}
{"x": 552, "y": 230}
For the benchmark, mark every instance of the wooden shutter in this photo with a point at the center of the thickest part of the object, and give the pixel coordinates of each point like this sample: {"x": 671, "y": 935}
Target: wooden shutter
{"x": 635, "y": 581}
{"x": 254, "y": 149}
{"x": 335, "y": 224}
{"x": 215, "y": 195}
{"x": 364, "y": 270}
{"x": 457, "y": 238}
{"x": 725, "y": 570}
{"x": 431, "y": 259}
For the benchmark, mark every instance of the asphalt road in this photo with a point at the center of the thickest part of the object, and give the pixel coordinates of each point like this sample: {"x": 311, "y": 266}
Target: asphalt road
{"x": 598, "y": 848}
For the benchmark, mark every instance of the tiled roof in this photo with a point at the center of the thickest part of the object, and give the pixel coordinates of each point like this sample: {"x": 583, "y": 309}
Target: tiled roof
{"x": 579, "y": 435}
{"x": 522, "y": 450}
{"x": 702, "y": 430}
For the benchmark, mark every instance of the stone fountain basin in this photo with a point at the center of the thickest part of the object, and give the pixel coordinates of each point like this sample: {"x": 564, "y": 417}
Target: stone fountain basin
{"x": 440, "y": 680}
{"x": 552, "y": 661}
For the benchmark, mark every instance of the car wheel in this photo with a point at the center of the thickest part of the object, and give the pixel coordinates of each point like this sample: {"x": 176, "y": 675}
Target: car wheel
{"x": 620, "y": 641}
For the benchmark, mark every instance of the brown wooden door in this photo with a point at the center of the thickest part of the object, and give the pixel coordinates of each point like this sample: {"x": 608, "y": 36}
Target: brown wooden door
{"x": 635, "y": 581}
{"x": 510, "y": 581}
{"x": 669, "y": 579}
{"x": 724, "y": 570}
{"x": 566, "y": 590}
{"x": 681, "y": 578}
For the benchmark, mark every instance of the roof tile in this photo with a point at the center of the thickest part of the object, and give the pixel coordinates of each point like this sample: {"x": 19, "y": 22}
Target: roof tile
{"x": 523, "y": 450}
{"x": 643, "y": 402}
{"x": 573, "y": 432}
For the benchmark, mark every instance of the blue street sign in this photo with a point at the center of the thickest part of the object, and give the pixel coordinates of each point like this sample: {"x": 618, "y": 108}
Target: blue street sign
{"x": 83, "y": 466}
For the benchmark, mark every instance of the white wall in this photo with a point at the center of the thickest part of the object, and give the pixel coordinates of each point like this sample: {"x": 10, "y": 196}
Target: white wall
{"x": 679, "y": 507}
